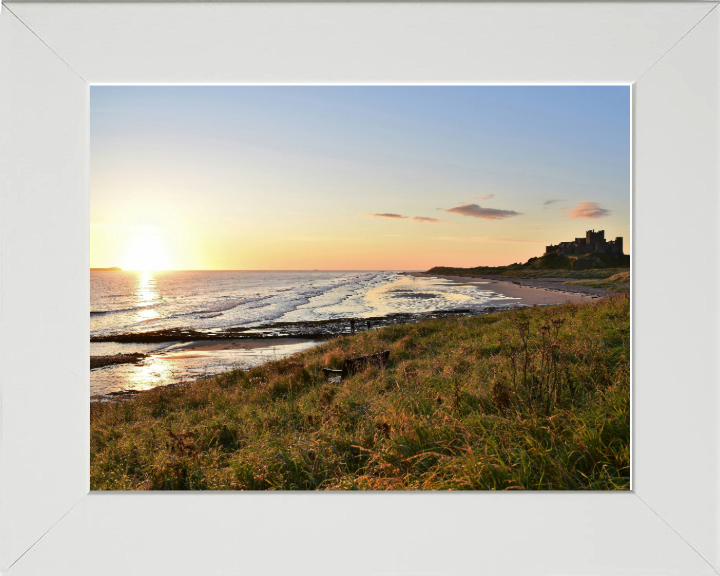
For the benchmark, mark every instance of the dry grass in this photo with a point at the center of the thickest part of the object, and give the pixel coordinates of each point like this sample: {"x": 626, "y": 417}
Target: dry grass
{"x": 594, "y": 273}
{"x": 622, "y": 277}
{"x": 617, "y": 283}
{"x": 537, "y": 399}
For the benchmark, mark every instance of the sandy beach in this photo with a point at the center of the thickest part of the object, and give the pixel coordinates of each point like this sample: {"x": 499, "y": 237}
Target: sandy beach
{"x": 529, "y": 295}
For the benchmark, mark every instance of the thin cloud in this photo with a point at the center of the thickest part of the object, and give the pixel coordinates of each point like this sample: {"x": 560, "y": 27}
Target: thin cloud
{"x": 552, "y": 201}
{"x": 588, "y": 210}
{"x": 479, "y": 212}
{"x": 391, "y": 216}
{"x": 423, "y": 219}
{"x": 482, "y": 197}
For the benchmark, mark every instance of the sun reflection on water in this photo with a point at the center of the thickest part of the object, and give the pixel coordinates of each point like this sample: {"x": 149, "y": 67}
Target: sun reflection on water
{"x": 188, "y": 364}
{"x": 153, "y": 372}
{"x": 146, "y": 294}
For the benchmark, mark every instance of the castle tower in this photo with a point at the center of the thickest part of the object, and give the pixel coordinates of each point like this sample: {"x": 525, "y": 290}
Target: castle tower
{"x": 619, "y": 244}
{"x": 592, "y": 237}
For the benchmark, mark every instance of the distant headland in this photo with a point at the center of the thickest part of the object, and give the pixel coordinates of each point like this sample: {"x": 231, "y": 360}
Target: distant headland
{"x": 113, "y": 269}
{"x": 583, "y": 258}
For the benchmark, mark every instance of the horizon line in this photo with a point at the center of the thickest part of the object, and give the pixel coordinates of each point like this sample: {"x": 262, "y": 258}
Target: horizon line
{"x": 99, "y": 268}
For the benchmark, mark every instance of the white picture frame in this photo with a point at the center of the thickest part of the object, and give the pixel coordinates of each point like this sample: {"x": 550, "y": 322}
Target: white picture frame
{"x": 49, "y": 522}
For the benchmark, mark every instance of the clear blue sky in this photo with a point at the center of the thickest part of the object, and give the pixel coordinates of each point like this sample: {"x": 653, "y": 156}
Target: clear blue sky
{"x": 355, "y": 177}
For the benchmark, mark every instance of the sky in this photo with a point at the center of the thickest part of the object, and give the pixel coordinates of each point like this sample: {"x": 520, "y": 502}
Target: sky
{"x": 352, "y": 177}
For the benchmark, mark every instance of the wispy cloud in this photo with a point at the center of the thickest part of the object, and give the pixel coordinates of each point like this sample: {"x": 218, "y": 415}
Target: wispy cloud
{"x": 552, "y": 201}
{"x": 588, "y": 210}
{"x": 391, "y": 216}
{"x": 490, "y": 240}
{"x": 481, "y": 197}
{"x": 421, "y": 219}
{"x": 479, "y": 212}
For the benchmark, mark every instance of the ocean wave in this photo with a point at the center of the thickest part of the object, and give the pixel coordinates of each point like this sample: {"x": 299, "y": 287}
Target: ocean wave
{"x": 119, "y": 310}
{"x": 241, "y": 300}
{"x": 313, "y": 297}
{"x": 215, "y": 311}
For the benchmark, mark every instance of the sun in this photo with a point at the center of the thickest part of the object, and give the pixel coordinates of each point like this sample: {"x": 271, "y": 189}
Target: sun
{"x": 146, "y": 252}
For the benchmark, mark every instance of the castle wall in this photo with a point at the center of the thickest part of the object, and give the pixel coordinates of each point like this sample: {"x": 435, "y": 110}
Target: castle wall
{"x": 593, "y": 242}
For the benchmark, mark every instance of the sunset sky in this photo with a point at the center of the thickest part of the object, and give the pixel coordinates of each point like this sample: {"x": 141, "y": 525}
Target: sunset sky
{"x": 352, "y": 178}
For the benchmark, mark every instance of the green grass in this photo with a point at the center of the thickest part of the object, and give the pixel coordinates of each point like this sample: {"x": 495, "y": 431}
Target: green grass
{"x": 547, "y": 266}
{"x": 533, "y": 399}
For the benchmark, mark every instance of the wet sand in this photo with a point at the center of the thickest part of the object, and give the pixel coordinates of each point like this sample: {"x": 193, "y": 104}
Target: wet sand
{"x": 529, "y": 295}
{"x": 186, "y": 361}
{"x": 244, "y": 344}
{"x": 101, "y": 361}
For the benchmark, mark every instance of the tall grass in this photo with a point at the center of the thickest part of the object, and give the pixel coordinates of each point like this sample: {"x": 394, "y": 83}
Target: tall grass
{"x": 593, "y": 273}
{"x": 617, "y": 283}
{"x": 532, "y": 399}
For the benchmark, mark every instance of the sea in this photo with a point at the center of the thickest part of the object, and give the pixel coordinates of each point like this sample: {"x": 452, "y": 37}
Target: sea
{"x": 123, "y": 302}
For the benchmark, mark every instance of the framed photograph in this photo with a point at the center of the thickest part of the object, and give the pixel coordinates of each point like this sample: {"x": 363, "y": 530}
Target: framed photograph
{"x": 298, "y": 303}
{"x": 113, "y": 115}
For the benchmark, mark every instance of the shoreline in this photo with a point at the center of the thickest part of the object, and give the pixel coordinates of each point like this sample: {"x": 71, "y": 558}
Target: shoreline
{"x": 525, "y": 292}
{"x": 114, "y": 359}
{"x": 531, "y": 291}
{"x": 123, "y": 375}
{"x": 189, "y": 348}
{"x": 309, "y": 330}
{"x": 189, "y": 345}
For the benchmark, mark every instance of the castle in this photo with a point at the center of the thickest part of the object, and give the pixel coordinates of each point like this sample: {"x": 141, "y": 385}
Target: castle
{"x": 593, "y": 242}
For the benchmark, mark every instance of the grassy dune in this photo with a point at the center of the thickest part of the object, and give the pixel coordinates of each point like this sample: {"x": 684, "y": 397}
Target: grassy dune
{"x": 594, "y": 273}
{"x": 535, "y": 399}
{"x": 617, "y": 283}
